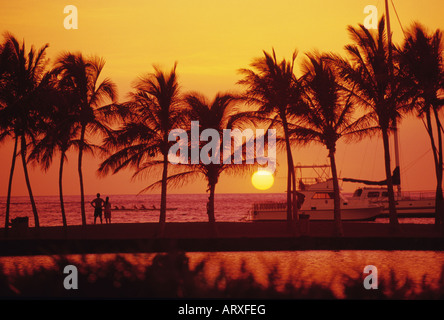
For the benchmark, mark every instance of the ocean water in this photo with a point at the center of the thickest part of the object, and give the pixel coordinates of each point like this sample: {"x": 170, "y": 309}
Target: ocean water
{"x": 188, "y": 208}
{"x": 417, "y": 270}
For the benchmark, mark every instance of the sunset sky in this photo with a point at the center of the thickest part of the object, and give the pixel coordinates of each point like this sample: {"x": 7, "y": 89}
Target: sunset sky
{"x": 211, "y": 41}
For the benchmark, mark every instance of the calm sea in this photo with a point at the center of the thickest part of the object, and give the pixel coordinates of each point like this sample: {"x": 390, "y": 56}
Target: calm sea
{"x": 325, "y": 267}
{"x": 189, "y": 207}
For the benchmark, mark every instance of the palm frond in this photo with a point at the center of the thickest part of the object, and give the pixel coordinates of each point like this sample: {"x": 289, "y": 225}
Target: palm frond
{"x": 173, "y": 181}
{"x": 131, "y": 156}
{"x": 107, "y": 90}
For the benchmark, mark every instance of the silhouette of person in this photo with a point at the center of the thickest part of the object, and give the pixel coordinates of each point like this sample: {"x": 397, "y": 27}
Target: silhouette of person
{"x": 97, "y": 203}
{"x": 107, "y": 210}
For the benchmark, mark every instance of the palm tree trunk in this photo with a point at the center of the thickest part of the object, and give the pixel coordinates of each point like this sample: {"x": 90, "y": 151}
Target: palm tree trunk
{"x": 295, "y": 197}
{"x": 294, "y": 223}
{"x": 163, "y": 196}
{"x": 28, "y": 183}
{"x": 210, "y": 208}
{"x": 62, "y": 206}
{"x": 290, "y": 170}
{"x": 337, "y": 200}
{"x": 439, "y": 206}
{"x": 79, "y": 169}
{"x": 394, "y": 224}
{"x": 11, "y": 174}
{"x": 438, "y": 192}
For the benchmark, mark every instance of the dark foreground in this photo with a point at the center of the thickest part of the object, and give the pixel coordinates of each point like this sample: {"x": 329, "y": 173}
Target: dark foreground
{"x": 228, "y": 236}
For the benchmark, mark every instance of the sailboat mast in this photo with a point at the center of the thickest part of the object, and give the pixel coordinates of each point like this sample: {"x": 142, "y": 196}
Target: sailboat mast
{"x": 395, "y": 132}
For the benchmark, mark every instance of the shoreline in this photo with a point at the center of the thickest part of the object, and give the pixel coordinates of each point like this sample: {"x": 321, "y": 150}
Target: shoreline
{"x": 231, "y": 236}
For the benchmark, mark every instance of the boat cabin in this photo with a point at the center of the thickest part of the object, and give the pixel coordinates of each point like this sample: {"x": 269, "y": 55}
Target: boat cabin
{"x": 370, "y": 193}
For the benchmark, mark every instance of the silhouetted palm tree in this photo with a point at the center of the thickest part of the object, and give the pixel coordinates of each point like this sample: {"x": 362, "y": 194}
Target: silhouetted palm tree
{"x": 21, "y": 85}
{"x": 203, "y": 159}
{"x": 5, "y": 127}
{"x": 152, "y": 113}
{"x": 59, "y": 134}
{"x": 79, "y": 78}
{"x": 422, "y": 60}
{"x": 273, "y": 87}
{"x": 378, "y": 88}
{"x": 212, "y": 115}
{"x": 328, "y": 115}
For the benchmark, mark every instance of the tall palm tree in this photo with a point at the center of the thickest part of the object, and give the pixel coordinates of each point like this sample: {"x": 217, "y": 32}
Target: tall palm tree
{"x": 211, "y": 115}
{"x": 422, "y": 60}
{"x": 274, "y": 88}
{"x": 328, "y": 115}
{"x": 59, "y": 134}
{"x": 79, "y": 77}
{"x": 378, "y": 88}
{"x": 5, "y": 127}
{"x": 152, "y": 112}
{"x": 215, "y": 115}
{"x": 21, "y": 85}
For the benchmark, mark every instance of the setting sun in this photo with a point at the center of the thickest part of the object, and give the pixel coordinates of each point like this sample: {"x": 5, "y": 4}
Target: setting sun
{"x": 262, "y": 179}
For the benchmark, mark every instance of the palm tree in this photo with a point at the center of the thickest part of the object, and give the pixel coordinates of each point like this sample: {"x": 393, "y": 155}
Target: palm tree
{"x": 422, "y": 60}
{"x": 22, "y": 82}
{"x": 215, "y": 115}
{"x": 378, "y": 87}
{"x": 273, "y": 87}
{"x": 328, "y": 115}
{"x": 59, "y": 135}
{"x": 79, "y": 77}
{"x": 5, "y": 125}
{"x": 152, "y": 112}
{"x": 211, "y": 115}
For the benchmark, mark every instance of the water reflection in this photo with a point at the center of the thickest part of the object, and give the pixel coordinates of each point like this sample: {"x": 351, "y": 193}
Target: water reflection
{"x": 326, "y": 268}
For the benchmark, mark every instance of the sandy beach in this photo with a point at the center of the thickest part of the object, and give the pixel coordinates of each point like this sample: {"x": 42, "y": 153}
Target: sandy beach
{"x": 230, "y": 236}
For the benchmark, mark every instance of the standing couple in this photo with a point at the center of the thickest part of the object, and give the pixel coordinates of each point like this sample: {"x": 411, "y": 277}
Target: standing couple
{"x": 98, "y": 204}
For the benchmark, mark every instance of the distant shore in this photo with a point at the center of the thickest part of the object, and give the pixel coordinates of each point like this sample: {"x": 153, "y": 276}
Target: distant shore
{"x": 230, "y": 236}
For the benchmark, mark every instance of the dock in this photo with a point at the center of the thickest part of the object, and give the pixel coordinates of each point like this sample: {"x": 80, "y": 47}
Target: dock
{"x": 225, "y": 236}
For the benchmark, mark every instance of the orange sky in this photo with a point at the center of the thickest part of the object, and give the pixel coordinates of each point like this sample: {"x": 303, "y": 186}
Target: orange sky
{"x": 210, "y": 40}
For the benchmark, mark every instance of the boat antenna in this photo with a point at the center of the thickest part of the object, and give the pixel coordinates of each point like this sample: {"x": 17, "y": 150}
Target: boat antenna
{"x": 397, "y": 16}
{"x": 395, "y": 131}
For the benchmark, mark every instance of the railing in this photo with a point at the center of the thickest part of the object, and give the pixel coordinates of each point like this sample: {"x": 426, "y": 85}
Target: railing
{"x": 417, "y": 195}
{"x": 405, "y": 195}
{"x": 270, "y": 206}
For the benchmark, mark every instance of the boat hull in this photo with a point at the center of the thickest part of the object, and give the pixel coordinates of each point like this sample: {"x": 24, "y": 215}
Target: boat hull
{"x": 412, "y": 209}
{"x": 143, "y": 210}
{"x": 409, "y": 204}
{"x": 357, "y": 214}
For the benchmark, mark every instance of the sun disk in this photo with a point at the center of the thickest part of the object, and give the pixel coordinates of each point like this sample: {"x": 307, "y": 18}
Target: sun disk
{"x": 262, "y": 179}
